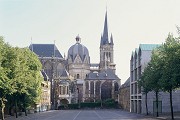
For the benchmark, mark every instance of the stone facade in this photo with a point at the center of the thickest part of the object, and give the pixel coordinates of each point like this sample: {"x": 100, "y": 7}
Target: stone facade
{"x": 124, "y": 95}
{"x": 45, "y": 102}
{"x": 79, "y": 84}
{"x": 94, "y": 81}
{"x": 101, "y": 86}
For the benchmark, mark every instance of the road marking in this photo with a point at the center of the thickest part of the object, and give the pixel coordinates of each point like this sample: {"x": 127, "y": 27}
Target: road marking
{"x": 98, "y": 115}
{"x": 77, "y": 115}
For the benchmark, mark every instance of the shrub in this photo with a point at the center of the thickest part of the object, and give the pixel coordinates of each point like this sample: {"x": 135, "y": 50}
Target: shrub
{"x": 90, "y": 104}
{"x": 109, "y": 103}
{"x": 73, "y": 106}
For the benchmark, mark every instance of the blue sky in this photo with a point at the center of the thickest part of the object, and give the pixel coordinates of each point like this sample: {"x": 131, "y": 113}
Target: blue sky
{"x": 131, "y": 22}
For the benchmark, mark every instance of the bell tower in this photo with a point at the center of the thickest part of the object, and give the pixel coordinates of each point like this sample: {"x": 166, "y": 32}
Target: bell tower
{"x": 106, "y": 49}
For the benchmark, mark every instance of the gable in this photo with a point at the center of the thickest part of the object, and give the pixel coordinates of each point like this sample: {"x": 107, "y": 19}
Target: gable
{"x": 77, "y": 59}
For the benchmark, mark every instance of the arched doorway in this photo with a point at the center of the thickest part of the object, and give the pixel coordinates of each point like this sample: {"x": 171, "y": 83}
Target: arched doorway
{"x": 64, "y": 102}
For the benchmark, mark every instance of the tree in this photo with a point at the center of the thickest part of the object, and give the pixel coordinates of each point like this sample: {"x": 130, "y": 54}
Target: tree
{"x": 163, "y": 71}
{"x": 143, "y": 82}
{"x": 33, "y": 78}
{"x": 171, "y": 68}
{"x": 6, "y": 84}
{"x": 150, "y": 79}
{"x": 20, "y": 77}
{"x": 27, "y": 77}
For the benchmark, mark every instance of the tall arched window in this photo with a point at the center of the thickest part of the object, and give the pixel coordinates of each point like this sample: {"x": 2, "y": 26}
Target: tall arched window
{"x": 59, "y": 69}
{"x": 48, "y": 69}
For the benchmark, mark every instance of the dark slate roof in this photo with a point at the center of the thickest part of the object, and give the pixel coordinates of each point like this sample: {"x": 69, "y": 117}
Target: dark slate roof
{"x": 105, "y": 32}
{"x": 126, "y": 84}
{"x": 46, "y": 78}
{"x": 64, "y": 73}
{"x": 78, "y": 49}
{"x": 104, "y": 37}
{"x": 102, "y": 75}
{"x": 94, "y": 65}
{"x": 64, "y": 82}
{"x": 45, "y": 50}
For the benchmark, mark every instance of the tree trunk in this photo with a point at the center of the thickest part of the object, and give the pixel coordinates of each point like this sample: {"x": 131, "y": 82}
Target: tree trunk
{"x": 25, "y": 109}
{"x": 2, "y": 108}
{"x": 2, "y": 113}
{"x": 146, "y": 105}
{"x": 172, "y": 114}
{"x": 157, "y": 112}
{"x": 24, "y": 105}
{"x": 16, "y": 108}
{"x": 9, "y": 109}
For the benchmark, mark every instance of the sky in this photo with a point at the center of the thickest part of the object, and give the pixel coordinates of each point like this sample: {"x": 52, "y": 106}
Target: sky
{"x": 131, "y": 22}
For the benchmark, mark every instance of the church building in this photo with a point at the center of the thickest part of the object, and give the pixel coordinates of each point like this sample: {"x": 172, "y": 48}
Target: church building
{"x": 74, "y": 79}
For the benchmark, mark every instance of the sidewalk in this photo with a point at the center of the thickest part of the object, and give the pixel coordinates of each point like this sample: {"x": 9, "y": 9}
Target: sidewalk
{"x": 167, "y": 116}
{"x": 30, "y": 116}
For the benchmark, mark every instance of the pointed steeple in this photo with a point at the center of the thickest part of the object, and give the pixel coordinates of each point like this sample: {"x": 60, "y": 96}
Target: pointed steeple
{"x": 101, "y": 40}
{"x": 105, "y": 32}
{"x": 112, "y": 43}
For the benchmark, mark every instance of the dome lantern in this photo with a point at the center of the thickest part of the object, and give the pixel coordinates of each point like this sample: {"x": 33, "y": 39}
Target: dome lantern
{"x": 78, "y": 39}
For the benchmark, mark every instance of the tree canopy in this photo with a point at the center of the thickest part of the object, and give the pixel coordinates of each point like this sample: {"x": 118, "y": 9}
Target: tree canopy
{"x": 20, "y": 77}
{"x": 163, "y": 70}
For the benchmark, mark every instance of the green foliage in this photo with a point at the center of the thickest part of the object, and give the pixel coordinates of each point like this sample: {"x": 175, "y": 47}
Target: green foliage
{"x": 163, "y": 71}
{"x": 72, "y": 106}
{"x": 171, "y": 67}
{"x": 20, "y": 77}
{"x": 109, "y": 103}
{"x": 90, "y": 104}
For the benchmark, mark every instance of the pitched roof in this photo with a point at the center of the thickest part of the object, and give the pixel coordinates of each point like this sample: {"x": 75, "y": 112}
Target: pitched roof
{"x": 102, "y": 75}
{"x": 126, "y": 84}
{"x": 45, "y": 50}
{"x": 148, "y": 46}
{"x": 64, "y": 73}
{"x": 94, "y": 65}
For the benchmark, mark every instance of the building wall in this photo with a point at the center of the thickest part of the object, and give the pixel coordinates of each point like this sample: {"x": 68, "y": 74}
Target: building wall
{"x": 138, "y": 62}
{"x": 124, "y": 98}
{"x": 96, "y": 90}
{"x": 45, "y": 103}
{"x": 164, "y": 98}
{"x": 53, "y": 67}
{"x": 106, "y": 56}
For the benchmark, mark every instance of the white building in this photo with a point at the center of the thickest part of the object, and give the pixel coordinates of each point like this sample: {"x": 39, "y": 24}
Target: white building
{"x": 139, "y": 60}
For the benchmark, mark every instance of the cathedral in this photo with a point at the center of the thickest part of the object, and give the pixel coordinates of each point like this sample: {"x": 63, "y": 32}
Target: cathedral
{"x": 73, "y": 78}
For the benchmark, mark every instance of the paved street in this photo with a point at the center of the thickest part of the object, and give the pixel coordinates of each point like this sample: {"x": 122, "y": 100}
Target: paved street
{"x": 83, "y": 115}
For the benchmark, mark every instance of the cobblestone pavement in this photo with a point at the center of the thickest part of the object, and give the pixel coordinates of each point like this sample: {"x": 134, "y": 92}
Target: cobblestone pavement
{"x": 85, "y": 115}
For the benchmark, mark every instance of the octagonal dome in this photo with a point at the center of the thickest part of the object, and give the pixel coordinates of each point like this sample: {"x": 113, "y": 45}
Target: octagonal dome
{"x": 78, "y": 49}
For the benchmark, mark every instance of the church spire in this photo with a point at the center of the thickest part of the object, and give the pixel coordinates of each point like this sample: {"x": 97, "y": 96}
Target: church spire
{"x": 112, "y": 43}
{"x": 105, "y": 32}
